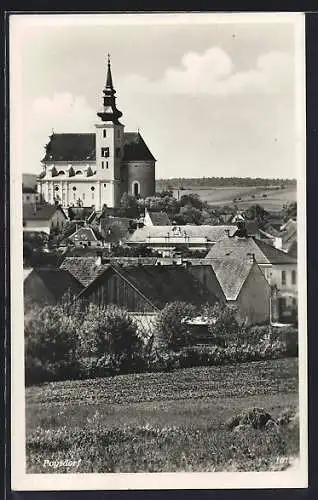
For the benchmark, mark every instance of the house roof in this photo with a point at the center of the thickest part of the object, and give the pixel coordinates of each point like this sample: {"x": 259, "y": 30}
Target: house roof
{"x": 84, "y": 269}
{"x": 159, "y": 284}
{"x": 41, "y": 212}
{"x": 135, "y": 148}
{"x": 82, "y": 147}
{"x": 239, "y": 248}
{"x": 57, "y": 281}
{"x": 84, "y": 234}
{"x": 212, "y": 233}
{"x": 159, "y": 218}
{"x": 231, "y": 274}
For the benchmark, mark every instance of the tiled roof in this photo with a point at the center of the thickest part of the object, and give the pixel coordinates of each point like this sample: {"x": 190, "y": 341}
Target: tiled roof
{"x": 159, "y": 218}
{"x": 159, "y": 284}
{"x": 135, "y": 148}
{"x": 84, "y": 234}
{"x": 239, "y": 248}
{"x": 84, "y": 269}
{"x": 57, "y": 281}
{"x": 231, "y": 274}
{"x": 82, "y": 147}
{"x": 212, "y": 233}
{"x": 42, "y": 212}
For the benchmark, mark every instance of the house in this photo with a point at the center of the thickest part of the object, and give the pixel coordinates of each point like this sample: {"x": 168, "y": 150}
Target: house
{"x": 49, "y": 285}
{"x": 283, "y": 238}
{"x": 146, "y": 289}
{"x": 43, "y": 218}
{"x": 279, "y": 268}
{"x": 156, "y": 218}
{"x": 86, "y": 237}
{"x": 30, "y": 195}
{"x": 84, "y": 269}
{"x": 167, "y": 239}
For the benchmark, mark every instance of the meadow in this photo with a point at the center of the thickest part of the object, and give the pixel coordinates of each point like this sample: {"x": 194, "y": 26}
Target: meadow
{"x": 157, "y": 422}
{"x": 272, "y": 199}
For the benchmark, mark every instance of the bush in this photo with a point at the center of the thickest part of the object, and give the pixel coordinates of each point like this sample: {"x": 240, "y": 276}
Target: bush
{"x": 225, "y": 325}
{"x": 172, "y": 328}
{"x": 51, "y": 341}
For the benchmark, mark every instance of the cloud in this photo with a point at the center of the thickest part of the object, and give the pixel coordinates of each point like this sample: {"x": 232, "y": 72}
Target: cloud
{"x": 213, "y": 73}
{"x": 62, "y": 112}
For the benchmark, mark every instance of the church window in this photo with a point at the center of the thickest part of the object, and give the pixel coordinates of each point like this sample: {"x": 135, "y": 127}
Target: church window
{"x": 61, "y": 172}
{"x": 102, "y": 164}
{"x": 83, "y": 196}
{"x": 79, "y": 172}
{"x": 56, "y": 188}
{"x": 104, "y": 132}
{"x": 92, "y": 188}
{"x": 136, "y": 188}
{"x": 74, "y": 188}
{"x": 107, "y": 164}
{"x": 105, "y": 185}
{"x": 105, "y": 152}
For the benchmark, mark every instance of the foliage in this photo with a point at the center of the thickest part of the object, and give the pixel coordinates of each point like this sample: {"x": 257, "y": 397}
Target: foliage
{"x": 187, "y": 183}
{"x": 225, "y": 326}
{"x": 128, "y": 206}
{"x": 173, "y": 330}
{"x": 51, "y": 342}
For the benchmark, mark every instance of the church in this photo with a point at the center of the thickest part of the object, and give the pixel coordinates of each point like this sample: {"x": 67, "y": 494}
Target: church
{"x": 96, "y": 169}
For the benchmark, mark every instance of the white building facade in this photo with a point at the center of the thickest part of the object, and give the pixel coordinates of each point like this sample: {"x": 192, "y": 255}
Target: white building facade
{"x": 95, "y": 169}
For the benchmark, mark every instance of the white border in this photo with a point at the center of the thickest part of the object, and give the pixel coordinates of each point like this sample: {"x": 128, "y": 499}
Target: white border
{"x": 20, "y": 480}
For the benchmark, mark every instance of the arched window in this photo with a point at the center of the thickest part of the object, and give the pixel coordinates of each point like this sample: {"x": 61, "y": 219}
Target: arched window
{"x": 61, "y": 172}
{"x": 136, "y": 188}
{"x": 79, "y": 172}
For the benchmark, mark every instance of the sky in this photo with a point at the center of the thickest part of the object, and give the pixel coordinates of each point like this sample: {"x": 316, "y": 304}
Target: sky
{"x": 211, "y": 97}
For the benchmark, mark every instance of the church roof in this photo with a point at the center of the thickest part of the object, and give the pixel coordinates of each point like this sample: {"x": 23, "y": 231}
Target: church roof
{"x": 82, "y": 147}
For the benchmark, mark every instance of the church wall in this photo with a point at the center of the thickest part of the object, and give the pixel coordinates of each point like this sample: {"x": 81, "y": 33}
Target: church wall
{"x": 142, "y": 172}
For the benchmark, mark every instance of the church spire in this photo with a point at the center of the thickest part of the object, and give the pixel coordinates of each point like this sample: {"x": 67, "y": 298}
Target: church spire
{"x": 110, "y": 112}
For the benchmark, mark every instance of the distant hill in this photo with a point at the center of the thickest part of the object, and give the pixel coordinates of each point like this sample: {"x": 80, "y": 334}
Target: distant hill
{"x": 195, "y": 182}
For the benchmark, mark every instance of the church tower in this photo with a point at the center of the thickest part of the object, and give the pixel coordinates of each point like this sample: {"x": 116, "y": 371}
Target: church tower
{"x": 109, "y": 146}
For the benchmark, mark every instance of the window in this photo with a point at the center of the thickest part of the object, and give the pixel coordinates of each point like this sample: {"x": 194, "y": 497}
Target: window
{"x": 61, "y": 172}
{"x": 27, "y": 197}
{"x": 135, "y": 188}
{"x": 293, "y": 277}
{"x": 104, "y": 132}
{"x": 79, "y": 172}
{"x": 117, "y": 152}
{"x": 105, "y": 152}
{"x": 74, "y": 188}
{"x": 83, "y": 196}
{"x": 105, "y": 185}
{"x": 107, "y": 164}
{"x": 103, "y": 164}
{"x": 283, "y": 277}
{"x": 93, "y": 188}
{"x": 56, "y": 188}
{"x": 118, "y": 133}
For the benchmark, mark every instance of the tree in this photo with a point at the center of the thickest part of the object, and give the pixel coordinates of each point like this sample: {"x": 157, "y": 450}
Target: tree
{"x": 109, "y": 331}
{"x": 173, "y": 330}
{"x": 225, "y": 325}
{"x": 189, "y": 215}
{"x": 128, "y": 206}
{"x": 192, "y": 199}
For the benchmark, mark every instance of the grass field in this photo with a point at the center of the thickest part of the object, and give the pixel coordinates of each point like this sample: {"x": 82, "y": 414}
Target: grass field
{"x": 269, "y": 198}
{"x": 163, "y": 421}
